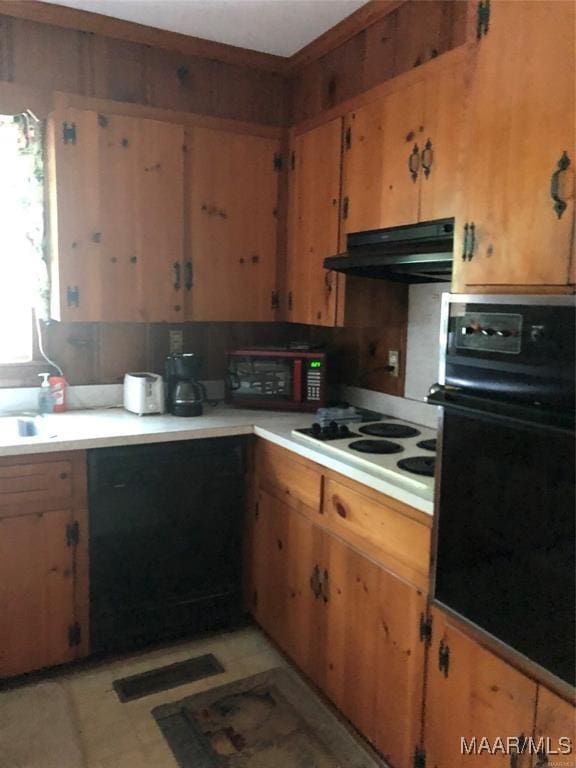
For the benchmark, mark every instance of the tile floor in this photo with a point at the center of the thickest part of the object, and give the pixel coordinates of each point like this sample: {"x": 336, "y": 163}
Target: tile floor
{"x": 116, "y": 735}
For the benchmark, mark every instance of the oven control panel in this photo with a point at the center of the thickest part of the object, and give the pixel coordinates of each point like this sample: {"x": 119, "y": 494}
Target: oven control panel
{"x": 489, "y": 332}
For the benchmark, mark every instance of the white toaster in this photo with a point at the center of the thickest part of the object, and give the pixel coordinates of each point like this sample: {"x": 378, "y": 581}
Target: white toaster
{"x": 143, "y": 393}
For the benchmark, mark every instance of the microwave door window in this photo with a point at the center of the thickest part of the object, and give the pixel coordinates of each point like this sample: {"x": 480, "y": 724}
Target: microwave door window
{"x": 263, "y": 377}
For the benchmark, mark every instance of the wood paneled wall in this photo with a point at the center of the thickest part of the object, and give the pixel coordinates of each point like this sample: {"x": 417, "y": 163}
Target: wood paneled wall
{"x": 61, "y": 59}
{"x": 405, "y": 38}
{"x": 102, "y": 352}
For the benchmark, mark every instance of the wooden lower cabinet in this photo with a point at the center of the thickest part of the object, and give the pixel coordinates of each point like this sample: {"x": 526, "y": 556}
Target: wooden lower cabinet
{"x": 43, "y": 562}
{"x": 348, "y": 624}
{"x": 471, "y": 693}
{"x": 36, "y": 592}
{"x": 555, "y": 731}
{"x": 374, "y": 655}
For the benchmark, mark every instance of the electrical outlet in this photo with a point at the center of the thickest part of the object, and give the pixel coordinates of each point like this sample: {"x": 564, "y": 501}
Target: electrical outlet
{"x": 176, "y": 342}
{"x": 394, "y": 362}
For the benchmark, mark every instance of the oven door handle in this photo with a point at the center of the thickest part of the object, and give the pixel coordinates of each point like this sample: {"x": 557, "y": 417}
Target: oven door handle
{"x": 453, "y": 398}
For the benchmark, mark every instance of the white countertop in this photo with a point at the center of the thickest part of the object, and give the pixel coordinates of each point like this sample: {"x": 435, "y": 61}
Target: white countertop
{"x": 106, "y": 427}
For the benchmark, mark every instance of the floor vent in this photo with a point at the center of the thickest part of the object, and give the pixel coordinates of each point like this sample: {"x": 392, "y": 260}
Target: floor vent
{"x": 164, "y": 678}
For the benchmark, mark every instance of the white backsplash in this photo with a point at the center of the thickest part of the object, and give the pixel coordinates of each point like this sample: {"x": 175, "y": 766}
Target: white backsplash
{"x": 423, "y": 342}
{"x": 399, "y": 407}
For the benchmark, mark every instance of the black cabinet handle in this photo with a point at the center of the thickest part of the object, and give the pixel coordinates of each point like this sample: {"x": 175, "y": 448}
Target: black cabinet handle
{"x": 471, "y": 241}
{"x": 427, "y": 158}
{"x": 177, "y": 267}
{"x": 516, "y": 755}
{"x": 560, "y": 205}
{"x": 465, "y": 241}
{"x": 316, "y": 582}
{"x": 414, "y": 162}
{"x": 188, "y": 275}
{"x": 326, "y": 586}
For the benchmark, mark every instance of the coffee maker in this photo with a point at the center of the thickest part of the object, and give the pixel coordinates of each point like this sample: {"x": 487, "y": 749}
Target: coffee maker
{"x": 185, "y": 394}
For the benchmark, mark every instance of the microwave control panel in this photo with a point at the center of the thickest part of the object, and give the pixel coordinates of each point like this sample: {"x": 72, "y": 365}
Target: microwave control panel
{"x": 313, "y": 379}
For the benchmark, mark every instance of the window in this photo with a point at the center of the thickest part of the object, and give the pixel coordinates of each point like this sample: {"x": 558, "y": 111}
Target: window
{"x": 22, "y": 268}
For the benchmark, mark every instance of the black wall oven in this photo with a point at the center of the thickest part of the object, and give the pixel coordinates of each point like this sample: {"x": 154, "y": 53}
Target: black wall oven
{"x": 505, "y": 498}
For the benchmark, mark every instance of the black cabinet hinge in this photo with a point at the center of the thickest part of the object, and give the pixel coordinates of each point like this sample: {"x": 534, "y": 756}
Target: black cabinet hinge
{"x": 292, "y": 161}
{"x": 290, "y": 300}
{"x": 73, "y": 296}
{"x": 72, "y": 534}
{"x": 425, "y": 629}
{"x": 74, "y": 635}
{"x": 257, "y": 510}
{"x": 278, "y": 161}
{"x": 444, "y": 658}
{"x": 348, "y": 138}
{"x": 69, "y": 133}
{"x": 255, "y": 598}
{"x": 419, "y": 760}
{"x": 345, "y": 207}
{"x": 275, "y": 300}
{"x": 482, "y": 19}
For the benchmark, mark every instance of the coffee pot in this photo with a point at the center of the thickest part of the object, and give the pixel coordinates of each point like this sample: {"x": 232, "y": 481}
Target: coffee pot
{"x": 185, "y": 394}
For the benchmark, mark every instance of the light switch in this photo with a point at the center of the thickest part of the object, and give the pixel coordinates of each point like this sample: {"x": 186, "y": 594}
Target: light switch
{"x": 176, "y": 342}
{"x": 394, "y": 362}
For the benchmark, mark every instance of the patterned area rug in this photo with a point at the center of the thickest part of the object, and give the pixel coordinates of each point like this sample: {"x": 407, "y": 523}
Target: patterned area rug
{"x": 271, "y": 720}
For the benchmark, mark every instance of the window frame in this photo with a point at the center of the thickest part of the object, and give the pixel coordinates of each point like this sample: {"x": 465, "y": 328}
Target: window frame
{"x": 14, "y": 100}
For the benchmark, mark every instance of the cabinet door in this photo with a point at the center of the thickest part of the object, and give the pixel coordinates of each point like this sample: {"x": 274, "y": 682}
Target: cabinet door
{"x": 555, "y": 723}
{"x": 286, "y": 555}
{"x": 36, "y": 592}
{"x": 382, "y": 141}
{"x": 313, "y": 224}
{"x": 375, "y": 659}
{"x": 444, "y": 98}
{"x": 116, "y": 196}
{"x": 520, "y": 119}
{"x": 470, "y": 693}
{"x": 231, "y": 262}
{"x": 75, "y": 220}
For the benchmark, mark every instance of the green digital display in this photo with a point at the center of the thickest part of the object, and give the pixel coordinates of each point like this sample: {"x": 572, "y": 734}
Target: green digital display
{"x": 315, "y": 364}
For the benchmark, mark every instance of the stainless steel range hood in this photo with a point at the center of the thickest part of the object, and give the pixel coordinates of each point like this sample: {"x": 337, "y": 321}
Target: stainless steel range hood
{"x": 415, "y": 253}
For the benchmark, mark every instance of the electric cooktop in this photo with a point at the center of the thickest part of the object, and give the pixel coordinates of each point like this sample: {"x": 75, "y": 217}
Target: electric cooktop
{"x": 395, "y": 449}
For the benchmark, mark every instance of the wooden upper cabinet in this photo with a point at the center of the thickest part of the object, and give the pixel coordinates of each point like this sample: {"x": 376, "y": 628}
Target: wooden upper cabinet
{"x": 232, "y": 201}
{"x": 440, "y": 155}
{"x": 472, "y": 693}
{"x": 313, "y": 224}
{"x": 116, "y": 217}
{"x": 401, "y": 154}
{"x": 382, "y": 139}
{"x": 519, "y": 133}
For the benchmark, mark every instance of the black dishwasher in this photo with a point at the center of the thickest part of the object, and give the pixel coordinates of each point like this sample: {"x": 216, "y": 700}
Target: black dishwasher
{"x": 165, "y": 540}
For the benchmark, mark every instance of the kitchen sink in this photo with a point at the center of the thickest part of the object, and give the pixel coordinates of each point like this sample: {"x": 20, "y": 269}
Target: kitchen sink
{"x": 14, "y": 428}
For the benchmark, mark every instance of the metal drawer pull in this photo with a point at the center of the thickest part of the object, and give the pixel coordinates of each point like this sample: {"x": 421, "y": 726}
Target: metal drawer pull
{"x": 316, "y": 582}
{"x": 560, "y": 205}
{"x": 427, "y": 158}
{"x": 177, "y": 275}
{"x": 414, "y": 162}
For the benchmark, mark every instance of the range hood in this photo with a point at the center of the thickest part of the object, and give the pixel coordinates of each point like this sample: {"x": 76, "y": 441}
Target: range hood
{"x": 415, "y": 253}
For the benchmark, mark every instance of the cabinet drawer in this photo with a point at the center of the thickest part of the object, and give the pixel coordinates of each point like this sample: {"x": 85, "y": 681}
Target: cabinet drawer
{"x": 398, "y": 541}
{"x": 34, "y": 482}
{"x": 293, "y": 482}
